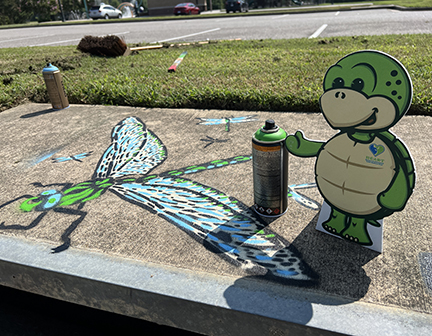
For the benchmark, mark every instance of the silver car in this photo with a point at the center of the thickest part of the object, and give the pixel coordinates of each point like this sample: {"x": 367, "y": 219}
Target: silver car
{"x": 103, "y": 11}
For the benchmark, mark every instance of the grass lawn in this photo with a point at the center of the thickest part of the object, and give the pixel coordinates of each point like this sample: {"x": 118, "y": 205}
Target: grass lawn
{"x": 265, "y": 75}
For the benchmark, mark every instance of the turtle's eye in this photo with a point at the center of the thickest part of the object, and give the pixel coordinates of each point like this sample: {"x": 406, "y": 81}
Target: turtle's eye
{"x": 338, "y": 83}
{"x": 357, "y": 84}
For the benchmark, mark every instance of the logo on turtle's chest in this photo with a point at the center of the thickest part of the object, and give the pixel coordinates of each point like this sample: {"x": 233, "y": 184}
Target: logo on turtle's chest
{"x": 375, "y": 150}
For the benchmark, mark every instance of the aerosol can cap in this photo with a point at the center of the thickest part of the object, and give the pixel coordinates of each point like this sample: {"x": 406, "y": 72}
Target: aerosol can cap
{"x": 270, "y": 132}
{"x": 50, "y": 68}
{"x": 270, "y": 126}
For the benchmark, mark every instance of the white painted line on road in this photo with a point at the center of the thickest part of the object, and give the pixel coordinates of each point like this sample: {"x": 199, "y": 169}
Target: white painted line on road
{"x": 280, "y": 17}
{"x": 319, "y": 31}
{"x": 25, "y": 38}
{"x": 225, "y": 19}
{"x": 64, "y": 41}
{"x": 180, "y": 37}
{"x": 49, "y": 43}
{"x": 118, "y": 33}
{"x": 337, "y": 13}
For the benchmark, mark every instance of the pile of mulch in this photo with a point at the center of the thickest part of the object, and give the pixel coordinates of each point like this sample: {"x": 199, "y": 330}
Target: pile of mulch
{"x": 107, "y": 46}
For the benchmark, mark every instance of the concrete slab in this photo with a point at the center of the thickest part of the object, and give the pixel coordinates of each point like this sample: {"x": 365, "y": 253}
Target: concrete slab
{"x": 133, "y": 252}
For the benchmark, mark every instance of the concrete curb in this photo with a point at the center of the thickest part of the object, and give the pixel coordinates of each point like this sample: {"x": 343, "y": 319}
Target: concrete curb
{"x": 191, "y": 300}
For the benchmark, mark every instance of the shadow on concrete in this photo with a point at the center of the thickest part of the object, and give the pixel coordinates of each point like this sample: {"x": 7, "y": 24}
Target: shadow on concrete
{"x": 341, "y": 279}
{"x": 39, "y": 113}
{"x": 338, "y": 263}
{"x": 251, "y": 294}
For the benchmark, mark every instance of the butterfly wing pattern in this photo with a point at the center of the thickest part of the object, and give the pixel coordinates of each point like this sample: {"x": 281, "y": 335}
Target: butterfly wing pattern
{"x": 134, "y": 150}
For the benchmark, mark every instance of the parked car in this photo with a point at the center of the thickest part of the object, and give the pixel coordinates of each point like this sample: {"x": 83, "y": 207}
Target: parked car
{"x": 236, "y": 5}
{"x": 186, "y": 8}
{"x": 103, "y": 11}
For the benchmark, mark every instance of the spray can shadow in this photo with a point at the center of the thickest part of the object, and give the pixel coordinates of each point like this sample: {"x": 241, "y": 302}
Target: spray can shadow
{"x": 270, "y": 170}
{"x": 54, "y": 83}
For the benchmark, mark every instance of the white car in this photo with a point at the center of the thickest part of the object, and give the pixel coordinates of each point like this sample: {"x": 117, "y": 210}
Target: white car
{"x": 105, "y": 12}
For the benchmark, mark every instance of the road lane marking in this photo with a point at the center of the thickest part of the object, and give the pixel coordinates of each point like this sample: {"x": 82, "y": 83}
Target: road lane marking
{"x": 25, "y": 38}
{"x": 280, "y": 17}
{"x": 127, "y": 32}
{"x": 65, "y": 41}
{"x": 194, "y": 34}
{"x": 49, "y": 43}
{"x": 318, "y": 31}
{"x": 337, "y": 13}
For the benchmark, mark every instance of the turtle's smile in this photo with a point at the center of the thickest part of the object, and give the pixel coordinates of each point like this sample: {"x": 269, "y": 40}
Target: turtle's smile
{"x": 372, "y": 119}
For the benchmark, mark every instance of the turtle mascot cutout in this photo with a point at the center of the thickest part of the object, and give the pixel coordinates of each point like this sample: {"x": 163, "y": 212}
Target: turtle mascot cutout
{"x": 364, "y": 172}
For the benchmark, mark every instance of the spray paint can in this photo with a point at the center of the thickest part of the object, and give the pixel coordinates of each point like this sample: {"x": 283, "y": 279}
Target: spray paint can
{"x": 270, "y": 170}
{"x": 55, "y": 88}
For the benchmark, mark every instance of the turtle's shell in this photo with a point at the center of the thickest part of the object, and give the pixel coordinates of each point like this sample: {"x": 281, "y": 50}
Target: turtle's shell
{"x": 350, "y": 175}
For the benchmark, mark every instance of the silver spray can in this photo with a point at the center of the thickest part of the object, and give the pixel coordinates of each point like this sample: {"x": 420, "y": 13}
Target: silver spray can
{"x": 270, "y": 170}
{"x": 55, "y": 88}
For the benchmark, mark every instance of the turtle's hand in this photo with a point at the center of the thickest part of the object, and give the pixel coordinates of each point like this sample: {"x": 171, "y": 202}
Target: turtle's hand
{"x": 298, "y": 145}
{"x": 397, "y": 194}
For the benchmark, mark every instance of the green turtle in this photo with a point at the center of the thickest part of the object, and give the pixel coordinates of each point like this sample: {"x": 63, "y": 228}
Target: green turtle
{"x": 364, "y": 172}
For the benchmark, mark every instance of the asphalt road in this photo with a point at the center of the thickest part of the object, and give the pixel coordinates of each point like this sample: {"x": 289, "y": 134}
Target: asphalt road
{"x": 327, "y": 24}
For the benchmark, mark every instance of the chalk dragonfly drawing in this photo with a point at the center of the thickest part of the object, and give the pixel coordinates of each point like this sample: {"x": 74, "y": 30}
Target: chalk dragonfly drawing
{"x": 302, "y": 199}
{"x": 226, "y": 121}
{"x": 220, "y": 222}
{"x": 77, "y": 157}
{"x": 211, "y": 141}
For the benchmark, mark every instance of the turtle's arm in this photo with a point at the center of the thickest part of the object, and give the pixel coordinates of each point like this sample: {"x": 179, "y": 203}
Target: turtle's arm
{"x": 299, "y": 146}
{"x": 402, "y": 185}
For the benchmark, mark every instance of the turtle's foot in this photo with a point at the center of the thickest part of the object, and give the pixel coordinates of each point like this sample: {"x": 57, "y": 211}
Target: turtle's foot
{"x": 357, "y": 232}
{"x": 336, "y": 222}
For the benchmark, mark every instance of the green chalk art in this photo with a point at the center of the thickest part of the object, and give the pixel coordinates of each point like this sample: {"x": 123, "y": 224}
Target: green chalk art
{"x": 221, "y": 223}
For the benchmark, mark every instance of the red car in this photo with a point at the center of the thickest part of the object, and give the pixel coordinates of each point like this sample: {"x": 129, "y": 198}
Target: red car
{"x": 186, "y": 8}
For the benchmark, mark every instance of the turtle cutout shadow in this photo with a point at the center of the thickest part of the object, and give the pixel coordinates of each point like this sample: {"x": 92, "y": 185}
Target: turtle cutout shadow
{"x": 338, "y": 265}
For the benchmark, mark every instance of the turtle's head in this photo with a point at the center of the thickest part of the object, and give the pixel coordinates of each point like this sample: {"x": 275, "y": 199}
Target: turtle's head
{"x": 46, "y": 200}
{"x": 366, "y": 91}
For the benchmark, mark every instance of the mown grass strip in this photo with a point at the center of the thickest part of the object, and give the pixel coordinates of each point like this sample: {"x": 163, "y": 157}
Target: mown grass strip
{"x": 264, "y": 75}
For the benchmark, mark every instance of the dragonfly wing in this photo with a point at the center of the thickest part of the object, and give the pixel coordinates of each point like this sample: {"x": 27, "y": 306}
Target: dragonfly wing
{"x": 134, "y": 150}
{"x": 206, "y": 121}
{"x": 302, "y": 199}
{"x": 61, "y": 159}
{"x": 243, "y": 119}
{"x": 221, "y": 223}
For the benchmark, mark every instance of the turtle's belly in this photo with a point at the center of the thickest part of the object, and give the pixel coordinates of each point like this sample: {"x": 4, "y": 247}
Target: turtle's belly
{"x": 350, "y": 175}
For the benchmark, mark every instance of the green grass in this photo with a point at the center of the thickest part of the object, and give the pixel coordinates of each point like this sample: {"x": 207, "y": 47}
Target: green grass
{"x": 405, "y": 3}
{"x": 266, "y": 75}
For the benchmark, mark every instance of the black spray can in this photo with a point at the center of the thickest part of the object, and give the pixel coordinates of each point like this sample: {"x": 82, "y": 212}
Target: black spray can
{"x": 270, "y": 170}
